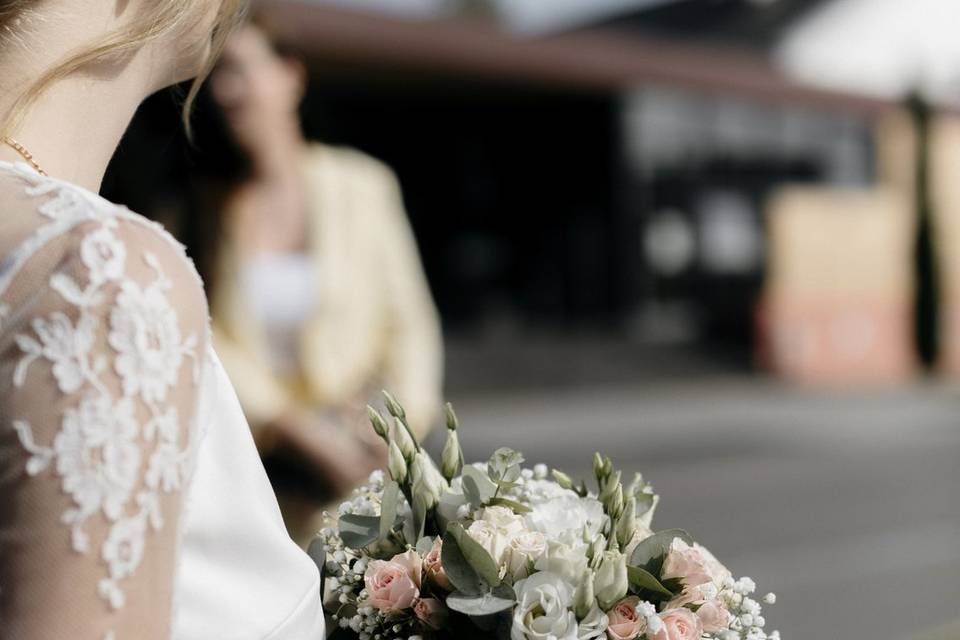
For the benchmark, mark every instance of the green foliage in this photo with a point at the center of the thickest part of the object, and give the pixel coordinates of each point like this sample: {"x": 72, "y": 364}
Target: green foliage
{"x": 477, "y": 557}
{"x": 358, "y": 531}
{"x": 642, "y": 580}
{"x": 650, "y": 553}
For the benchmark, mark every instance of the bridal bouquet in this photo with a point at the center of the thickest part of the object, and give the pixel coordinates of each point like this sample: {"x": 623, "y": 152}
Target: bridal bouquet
{"x": 496, "y": 550}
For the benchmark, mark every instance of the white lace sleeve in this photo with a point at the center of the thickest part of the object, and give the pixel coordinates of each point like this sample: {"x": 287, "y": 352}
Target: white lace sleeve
{"x": 103, "y": 332}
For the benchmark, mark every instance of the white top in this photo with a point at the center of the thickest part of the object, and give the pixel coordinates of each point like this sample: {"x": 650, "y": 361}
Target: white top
{"x": 134, "y": 504}
{"x": 281, "y": 291}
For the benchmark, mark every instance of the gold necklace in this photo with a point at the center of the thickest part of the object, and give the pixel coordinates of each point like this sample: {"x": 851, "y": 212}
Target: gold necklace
{"x": 22, "y": 150}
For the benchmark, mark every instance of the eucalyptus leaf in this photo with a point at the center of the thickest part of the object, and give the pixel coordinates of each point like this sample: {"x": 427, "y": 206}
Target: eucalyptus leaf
{"x": 476, "y": 555}
{"x": 482, "y": 605}
{"x": 388, "y": 508}
{"x": 477, "y": 487}
{"x": 641, "y": 579}
{"x": 458, "y": 570}
{"x": 504, "y": 465}
{"x": 358, "y": 531}
{"x": 419, "y": 516}
{"x": 510, "y": 504}
{"x": 649, "y": 554}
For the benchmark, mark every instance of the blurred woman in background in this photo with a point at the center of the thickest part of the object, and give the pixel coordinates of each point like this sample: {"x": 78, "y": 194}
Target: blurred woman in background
{"x": 318, "y": 296}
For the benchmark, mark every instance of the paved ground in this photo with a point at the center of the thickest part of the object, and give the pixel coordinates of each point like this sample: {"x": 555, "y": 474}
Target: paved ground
{"x": 845, "y": 504}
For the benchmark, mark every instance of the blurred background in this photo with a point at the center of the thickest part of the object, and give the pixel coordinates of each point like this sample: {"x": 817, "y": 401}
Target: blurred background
{"x": 718, "y": 240}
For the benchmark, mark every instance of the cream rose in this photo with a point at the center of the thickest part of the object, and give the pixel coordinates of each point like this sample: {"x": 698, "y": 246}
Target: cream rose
{"x": 431, "y": 612}
{"x": 504, "y": 520}
{"x": 525, "y": 549}
{"x": 679, "y": 624}
{"x": 543, "y": 609}
{"x": 623, "y": 621}
{"x": 491, "y": 539}
{"x": 686, "y": 564}
{"x": 390, "y": 585}
{"x": 433, "y": 566}
{"x": 567, "y": 561}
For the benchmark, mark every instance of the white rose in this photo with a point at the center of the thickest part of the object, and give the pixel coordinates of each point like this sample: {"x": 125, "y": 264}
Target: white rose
{"x": 543, "y": 609}
{"x": 565, "y": 560}
{"x": 594, "y": 625}
{"x": 491, "y": 539}
{"x": 565, "y": 518}
{"x": 504, "y": 520}
{"x": 525, "y": 549}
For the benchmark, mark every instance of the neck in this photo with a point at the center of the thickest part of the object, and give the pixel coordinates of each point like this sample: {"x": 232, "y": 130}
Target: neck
{"x": 75, "y": 126}
{"x": 75, "y": 129}
{"x": 276, "y": 161}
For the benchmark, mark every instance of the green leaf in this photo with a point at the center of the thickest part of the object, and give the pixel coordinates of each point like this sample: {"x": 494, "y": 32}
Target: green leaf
{"x": 482, "y": 605}
{"x": 419, "y": 516}
{"x": 641, "y": 579}
{"x": 358, "y": 531}
{"x": 388, "y": 508}
{"x": 477, "y": 487}
{"x": 458, "y": 570}
{"x": 650, "y": 553}
{"x": 318, "y": 554}
{"x": 476, "y": 555}
{"x": 504, "y": 465}
{"x": 510, "y": 504}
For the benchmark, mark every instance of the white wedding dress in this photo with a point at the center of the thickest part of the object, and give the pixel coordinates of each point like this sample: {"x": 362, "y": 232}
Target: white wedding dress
{"x": 133, "y": 504}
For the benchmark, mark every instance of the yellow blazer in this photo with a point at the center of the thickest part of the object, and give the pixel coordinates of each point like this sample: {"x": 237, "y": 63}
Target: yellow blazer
{"x": 375, "y": 321}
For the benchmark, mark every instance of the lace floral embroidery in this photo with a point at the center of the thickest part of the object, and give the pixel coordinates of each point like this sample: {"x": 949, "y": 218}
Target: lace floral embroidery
{"x": 101, "y": 449}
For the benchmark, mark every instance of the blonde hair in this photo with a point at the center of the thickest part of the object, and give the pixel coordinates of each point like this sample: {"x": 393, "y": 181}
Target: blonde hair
{"x": 164, "y": 18}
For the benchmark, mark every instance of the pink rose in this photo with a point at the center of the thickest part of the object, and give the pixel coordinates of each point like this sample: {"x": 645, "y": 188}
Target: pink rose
{"x": 679, "y": 624}
{"x": 431, "y": 612}
{"x": 433, "y": 566}
{"x": 714, "y": 616}
{"x": 411, "y": 561}
{"x": 686, "y": 564}
{"x": 390, "y": 585}
{"x": 623, "y": 621}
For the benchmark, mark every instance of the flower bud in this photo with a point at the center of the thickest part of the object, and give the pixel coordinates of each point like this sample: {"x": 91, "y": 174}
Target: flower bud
{"x": 595, "y": 550}
{"x": 607, "y": 466}
{"x": 451, "y": 461}
{"x": 396, "y": 463}
{"x": 562, "y": 479}
{"x": 615, "y": 503}
{"x": 609, "y": 486}
{"x": 403, "y": 439}
{"x": 426, "y": 481}
{"x": 584, "y": 598}
{"x": 627, "y": 523}
{"x": 610, "y": 582}
{"x": 393, "y": 406}
{"x": 598, "y": 467}
{"x": 452, "y": 423}
{"x": 378, "y": 423}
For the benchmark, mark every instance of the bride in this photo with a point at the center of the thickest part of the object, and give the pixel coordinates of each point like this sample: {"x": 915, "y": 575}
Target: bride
{"x": 132, "y": 502}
